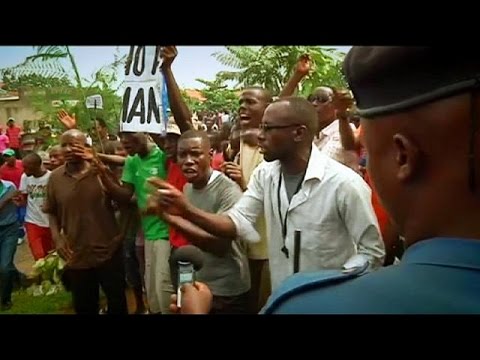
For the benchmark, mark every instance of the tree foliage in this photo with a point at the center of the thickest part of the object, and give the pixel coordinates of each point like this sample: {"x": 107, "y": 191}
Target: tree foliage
{"x": 193, "y": 104}
{"x": 271, "y": 66}
{"x": 14, "y": 81}
{"x": 52, "y": 81}
{"x": 48, "y": 69}
{"x": 218, "y": 97}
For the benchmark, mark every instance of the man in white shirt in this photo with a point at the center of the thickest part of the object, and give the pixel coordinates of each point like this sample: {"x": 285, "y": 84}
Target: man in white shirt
{"x": 33, "y": 187}
{"x": 328, "y": 139}
{"x": 225, "y": 117}
{"x": 297, "y": 188}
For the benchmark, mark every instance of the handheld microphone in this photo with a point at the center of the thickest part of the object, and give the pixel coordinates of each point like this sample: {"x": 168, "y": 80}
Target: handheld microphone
{"x": 189, "y": 259}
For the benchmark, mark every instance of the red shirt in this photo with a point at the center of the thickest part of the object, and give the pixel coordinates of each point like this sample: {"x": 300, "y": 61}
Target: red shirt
{"x": 13, "y": 174}
{"x": 362, "y": 151}
{"x": 217, "y": 161}
{"x": 14, "y": 136}
{"x": 380, "y": 211}
{"x": 176, "y": 178}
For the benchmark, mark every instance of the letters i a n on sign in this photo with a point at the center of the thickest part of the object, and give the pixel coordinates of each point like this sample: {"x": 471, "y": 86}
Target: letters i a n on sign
{"x": 142, "y": 109}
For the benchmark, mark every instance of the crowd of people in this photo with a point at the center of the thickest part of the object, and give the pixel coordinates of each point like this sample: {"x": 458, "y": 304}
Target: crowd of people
{"x": 240, "y": 187}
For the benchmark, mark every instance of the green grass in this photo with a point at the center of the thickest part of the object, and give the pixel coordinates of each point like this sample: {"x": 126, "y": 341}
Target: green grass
{"x": 23, "y": 303}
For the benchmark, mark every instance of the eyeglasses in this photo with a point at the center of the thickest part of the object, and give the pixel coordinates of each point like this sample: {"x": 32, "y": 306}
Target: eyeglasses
{"x": 265, "y": 127}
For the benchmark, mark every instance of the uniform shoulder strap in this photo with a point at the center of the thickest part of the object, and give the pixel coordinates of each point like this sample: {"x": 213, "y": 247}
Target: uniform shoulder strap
{"x": 303, "y": 282}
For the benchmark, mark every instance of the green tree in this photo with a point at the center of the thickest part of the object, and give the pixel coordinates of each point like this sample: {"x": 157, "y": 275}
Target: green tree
{"x": 271, "y": 66}
{"x": 218, "y": 96}
{"x": 15, "y": 82}
{"x": 50, "y": 100}
{"x": 47, "y": 53}
{"x": 193, "y": 104}
{"x": 48, "y": 77}
{"x": 30, "y": 71}
{"x": 49, "y": 61}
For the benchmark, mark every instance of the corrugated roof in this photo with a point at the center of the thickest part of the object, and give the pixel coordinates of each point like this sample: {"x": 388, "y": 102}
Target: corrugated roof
{"x": 195, "y": 94}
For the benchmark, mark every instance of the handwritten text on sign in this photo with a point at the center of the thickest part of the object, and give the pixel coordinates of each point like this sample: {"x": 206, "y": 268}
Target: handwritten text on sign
{"x": 142, "y": 101}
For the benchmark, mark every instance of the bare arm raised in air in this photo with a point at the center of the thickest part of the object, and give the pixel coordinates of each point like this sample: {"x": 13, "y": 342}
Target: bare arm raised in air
{"x": 179, "y": 108}
{"x": 302, "y": 69}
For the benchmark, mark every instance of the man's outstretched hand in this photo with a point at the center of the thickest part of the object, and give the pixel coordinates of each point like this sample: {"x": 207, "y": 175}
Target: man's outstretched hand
{"x": 69, "y": 121}
{"x": 170, "y": 199}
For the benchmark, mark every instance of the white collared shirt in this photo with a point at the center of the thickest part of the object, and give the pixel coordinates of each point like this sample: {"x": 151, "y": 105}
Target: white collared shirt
{"x": 332, "y": 209}
{"x": 330, "y": 143}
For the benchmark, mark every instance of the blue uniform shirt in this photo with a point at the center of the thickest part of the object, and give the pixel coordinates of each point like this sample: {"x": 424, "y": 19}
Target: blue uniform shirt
{"x": 436, "y": 276}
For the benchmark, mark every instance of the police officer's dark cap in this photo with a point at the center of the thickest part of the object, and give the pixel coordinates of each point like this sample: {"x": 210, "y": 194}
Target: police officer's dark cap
{"x": 393, "y": 79}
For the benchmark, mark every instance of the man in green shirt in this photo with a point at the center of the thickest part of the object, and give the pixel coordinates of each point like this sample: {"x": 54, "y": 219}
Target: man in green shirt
{"x": 145, "y": 160}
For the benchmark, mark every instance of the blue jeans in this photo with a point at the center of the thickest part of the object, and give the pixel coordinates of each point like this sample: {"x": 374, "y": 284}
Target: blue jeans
{"x": 8, "y": 247}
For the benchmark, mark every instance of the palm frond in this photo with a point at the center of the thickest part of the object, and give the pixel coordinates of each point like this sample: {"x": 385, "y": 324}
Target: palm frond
{"x": 229, "y": 75}
{"x": 47, "y": 68}
{"x": 237, "y": 57}
{"x": 57, "y": 54}
{"x": 228, "y": 59}
{"x": 53, "y": 50}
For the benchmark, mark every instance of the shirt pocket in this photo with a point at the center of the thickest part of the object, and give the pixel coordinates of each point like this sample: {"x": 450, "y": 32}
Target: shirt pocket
{"x": 319, "y": 237}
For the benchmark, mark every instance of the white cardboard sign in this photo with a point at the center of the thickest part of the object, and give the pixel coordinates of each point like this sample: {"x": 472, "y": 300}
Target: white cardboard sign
{"x": 94, "y": 102}
{"x": 144, "y": 98}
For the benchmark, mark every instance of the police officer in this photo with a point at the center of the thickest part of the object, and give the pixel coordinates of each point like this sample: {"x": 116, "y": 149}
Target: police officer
{"x": 419, "y": 110}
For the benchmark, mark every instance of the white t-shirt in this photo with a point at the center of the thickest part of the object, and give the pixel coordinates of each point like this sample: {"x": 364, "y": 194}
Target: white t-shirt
{"x": 36, "y": 188}
{"x": 225, "y": 118}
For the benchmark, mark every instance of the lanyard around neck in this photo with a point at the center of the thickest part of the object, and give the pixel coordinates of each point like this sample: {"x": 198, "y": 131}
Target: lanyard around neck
{"x": 283, "y": 222}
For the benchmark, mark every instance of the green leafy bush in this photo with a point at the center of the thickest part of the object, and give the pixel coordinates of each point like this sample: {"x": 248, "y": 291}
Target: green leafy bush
{"x": 48, "y": 272}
